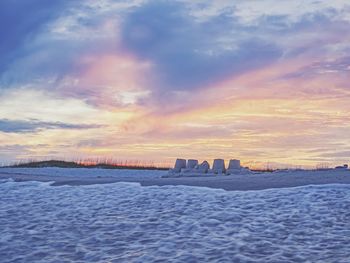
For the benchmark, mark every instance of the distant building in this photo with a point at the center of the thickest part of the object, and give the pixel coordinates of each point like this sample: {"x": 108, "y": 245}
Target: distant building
{"x": 345, "y": 166}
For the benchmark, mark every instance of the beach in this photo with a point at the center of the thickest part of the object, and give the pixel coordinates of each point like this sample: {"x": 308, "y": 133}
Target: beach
{"x": 241, "y": 182}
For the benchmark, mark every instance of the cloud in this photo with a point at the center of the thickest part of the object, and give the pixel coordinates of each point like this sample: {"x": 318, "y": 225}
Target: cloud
{"x": 53, "y": 38}
{"x": 6, "y": 149}
{"x": 190, "y": 54}
{"x": 333, "y": 66}
{"x": 21, "y": 21}
{"x": 186, "y": 52}
{"x": 247, "y": 78}
{"x": 20, "y": 126}
{"x": 339, "y": 154}
{"x": 250, "y": 12}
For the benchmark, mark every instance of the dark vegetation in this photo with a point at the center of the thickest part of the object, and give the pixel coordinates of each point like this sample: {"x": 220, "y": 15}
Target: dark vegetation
{"x": 88, "y": 164}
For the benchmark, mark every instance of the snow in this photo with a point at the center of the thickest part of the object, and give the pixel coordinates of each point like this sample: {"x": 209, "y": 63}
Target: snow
{"x": 85, "y": 172}
{"x": 124, "y": 222}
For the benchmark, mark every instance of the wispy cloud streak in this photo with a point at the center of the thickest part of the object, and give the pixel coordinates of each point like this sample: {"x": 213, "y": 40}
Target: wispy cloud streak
{"x": 18, "y": 126}
{"x": 245, "y": 79}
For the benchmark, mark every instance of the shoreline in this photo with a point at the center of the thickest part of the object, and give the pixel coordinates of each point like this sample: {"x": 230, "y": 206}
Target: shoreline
{"x": 260, "y": 181}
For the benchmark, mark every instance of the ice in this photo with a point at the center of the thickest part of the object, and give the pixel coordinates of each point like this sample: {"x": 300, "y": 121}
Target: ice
{"x": 124, "y": 222}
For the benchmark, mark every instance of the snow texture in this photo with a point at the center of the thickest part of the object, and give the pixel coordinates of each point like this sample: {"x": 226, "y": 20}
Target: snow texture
{"x": 86, "y": 172}
{"x": 124, "y": 222}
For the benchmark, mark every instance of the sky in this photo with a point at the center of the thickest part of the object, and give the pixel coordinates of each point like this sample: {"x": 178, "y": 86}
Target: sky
{"x": 264, "y": 81}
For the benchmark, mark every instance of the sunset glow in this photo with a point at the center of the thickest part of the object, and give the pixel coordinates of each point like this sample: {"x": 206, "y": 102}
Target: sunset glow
{"x": 141, "y": 80}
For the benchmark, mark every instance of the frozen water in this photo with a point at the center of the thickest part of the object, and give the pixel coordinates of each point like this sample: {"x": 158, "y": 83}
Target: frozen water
{"x": 125, "y": 222}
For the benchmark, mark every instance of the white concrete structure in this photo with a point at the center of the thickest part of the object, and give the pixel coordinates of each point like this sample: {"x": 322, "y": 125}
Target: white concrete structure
{"x": 191, "y": 163}
{"x": 192, "y": 168}
{"x": 179, "y": 164}
{"x": 234, "y": 164}
{"x": 202, "y": 168}
{"x": 218, "y": 167}
{"x": 234, "y": 167}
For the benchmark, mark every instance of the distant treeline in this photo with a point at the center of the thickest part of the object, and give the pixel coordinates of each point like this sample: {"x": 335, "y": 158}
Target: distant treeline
{"x": 87, "y": 164}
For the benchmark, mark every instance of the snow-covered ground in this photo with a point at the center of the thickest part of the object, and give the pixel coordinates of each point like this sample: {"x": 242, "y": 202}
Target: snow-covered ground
{"x": 253, "y": 181}
{"x": 124, "y": 222}
{"x": 86, "y": 172}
